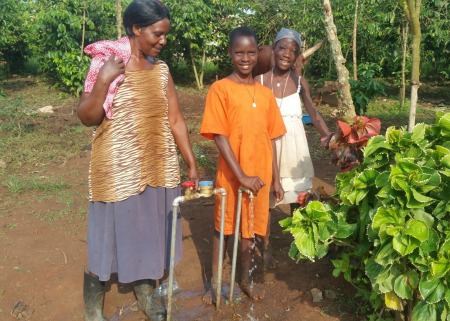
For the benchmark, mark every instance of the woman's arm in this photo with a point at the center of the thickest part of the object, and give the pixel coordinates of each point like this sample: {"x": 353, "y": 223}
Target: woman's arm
{"x": 180, "y": 132}
{"x": 316, "y": 118}
{"x": 278, "y": 191}
{"x": 90, "y": 108}
{"x": 253, "y": 183}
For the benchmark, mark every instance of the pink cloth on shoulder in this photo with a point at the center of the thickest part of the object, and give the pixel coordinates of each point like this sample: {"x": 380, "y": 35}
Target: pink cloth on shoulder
{"x": 100, "y": 52}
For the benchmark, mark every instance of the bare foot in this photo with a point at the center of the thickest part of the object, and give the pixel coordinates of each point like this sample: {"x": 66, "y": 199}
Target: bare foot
{"x": 209, "y": 297}
{"x": 255, "y": 292}
{"x": 269, "y": 260}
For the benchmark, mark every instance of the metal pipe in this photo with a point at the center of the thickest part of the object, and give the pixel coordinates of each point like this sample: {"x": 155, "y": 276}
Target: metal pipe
{"x": 221, "y": 241}
{"x": 175, "y": 206}
{"x": 236, "y": 237}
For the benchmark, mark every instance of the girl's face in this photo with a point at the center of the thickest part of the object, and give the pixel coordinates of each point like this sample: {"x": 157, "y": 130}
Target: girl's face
{"x": 152, "y": 39}
{"x": 285, "y": 52}
{"x": 244, "y": 54}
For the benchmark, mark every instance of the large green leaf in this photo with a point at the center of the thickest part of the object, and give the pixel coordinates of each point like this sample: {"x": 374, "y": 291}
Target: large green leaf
{"x": 405, "y": 284}
{"x": 376, "y": 145}
{"x": 386, "y": 254}
{"x": 365, "y": 179}
{"x": 316, "y": 211}
{"x": 373, "y": 269}
{"x": 418, "y": 132}
{"x": 391, "y": 217}
{"x": 444, "y": 123}
{"x": 304, "y": 240}
{"x": 285, "y": 222}
{"x": 423, "y": 216}
{"x": 432, "y": 289}
{"x": 431, "y": 244}
{"x": 416, "y": 229}
{"x": 382, "y": 179}
{"x": 385, "y": 280}
{"x": 418, "y": 200}
{"x": 326, "y": 230}
{"x": 440, "y": 268}
{"x": 393, "y": 135}
{"x": 293, "y": 251}
{"x": 423, "y": 311}
{"x": 405, "y": 244}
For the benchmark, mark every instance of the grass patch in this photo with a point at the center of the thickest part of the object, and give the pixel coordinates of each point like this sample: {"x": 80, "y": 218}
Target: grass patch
{"x": 16, "y": 184}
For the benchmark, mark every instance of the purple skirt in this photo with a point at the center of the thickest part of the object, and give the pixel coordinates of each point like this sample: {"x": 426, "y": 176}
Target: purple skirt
{"x": 132, "y": 237}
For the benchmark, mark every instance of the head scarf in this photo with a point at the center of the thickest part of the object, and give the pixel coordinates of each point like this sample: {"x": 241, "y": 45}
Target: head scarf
{"x": 290, "y": 34}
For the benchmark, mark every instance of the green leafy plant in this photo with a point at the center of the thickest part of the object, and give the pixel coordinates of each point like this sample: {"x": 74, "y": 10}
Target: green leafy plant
{"x": 392, "y": 222}
{"x": 366, "y": 88}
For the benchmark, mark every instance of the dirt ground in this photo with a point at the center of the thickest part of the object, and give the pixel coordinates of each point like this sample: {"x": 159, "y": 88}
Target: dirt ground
{"x": 42, "y": 258}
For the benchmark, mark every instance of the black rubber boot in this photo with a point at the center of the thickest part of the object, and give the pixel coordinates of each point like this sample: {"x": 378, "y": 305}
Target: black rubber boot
{"x": 93, "y": 296}
{"x": 153, "y": 310}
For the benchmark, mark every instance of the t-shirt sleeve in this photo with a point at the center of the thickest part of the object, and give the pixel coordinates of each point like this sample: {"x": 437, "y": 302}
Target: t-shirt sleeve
{"x": 275, "y": 126}
{"x": 215, "y": 120}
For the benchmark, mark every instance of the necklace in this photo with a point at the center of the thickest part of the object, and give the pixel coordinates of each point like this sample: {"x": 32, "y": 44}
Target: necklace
{"x": 254, "y": 89}
{"x": 285, "y": 85}
{"x": 278, "y": 81}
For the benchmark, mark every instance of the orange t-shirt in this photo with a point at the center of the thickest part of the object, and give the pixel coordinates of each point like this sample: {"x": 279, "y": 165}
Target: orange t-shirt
{"x": 229, "y": 112}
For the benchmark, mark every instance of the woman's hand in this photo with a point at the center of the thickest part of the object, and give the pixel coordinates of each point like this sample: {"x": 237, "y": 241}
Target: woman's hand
{"x": 193, "y": 175}
{"x": 111, "y": 69}
{"x": 253, "y": 183}
{"x": 278, "y": 191}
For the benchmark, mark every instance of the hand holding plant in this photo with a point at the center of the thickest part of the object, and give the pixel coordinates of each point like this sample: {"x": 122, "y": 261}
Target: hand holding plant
{"x": 350, "y": 138}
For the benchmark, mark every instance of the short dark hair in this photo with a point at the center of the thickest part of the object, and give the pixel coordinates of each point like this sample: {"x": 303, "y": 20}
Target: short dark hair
{"x": 241, "y": 32}
{"x": 144, "y": 13}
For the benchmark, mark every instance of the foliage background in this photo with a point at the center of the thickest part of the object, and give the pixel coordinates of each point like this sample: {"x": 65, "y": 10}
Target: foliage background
{"x": 45, "y": 36}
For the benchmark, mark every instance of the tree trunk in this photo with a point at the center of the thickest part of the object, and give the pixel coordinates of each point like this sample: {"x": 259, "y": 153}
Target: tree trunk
{"x": 194, "y": 67}
{"x": 119, "y": 18}
{"x": 202, "y": 73}
{"x": 355, "y": 28}
{"x": 83, "y": 30}
{"x": 412, "y": 13}
{"x": 404, "y": 51}
{"x": 347, "y": 108}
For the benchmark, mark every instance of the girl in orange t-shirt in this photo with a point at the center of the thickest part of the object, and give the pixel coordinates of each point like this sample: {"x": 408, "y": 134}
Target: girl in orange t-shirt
{"x": 243, "y": 118}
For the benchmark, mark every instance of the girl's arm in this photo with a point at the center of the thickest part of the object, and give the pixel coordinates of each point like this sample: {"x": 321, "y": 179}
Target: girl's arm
{"x": 180, "y": 132}
{"x": 90, "y": 108}
{"x": 278, "y": 191}
{"x": 253, "y": 183}
{"x": 316, "y": 118}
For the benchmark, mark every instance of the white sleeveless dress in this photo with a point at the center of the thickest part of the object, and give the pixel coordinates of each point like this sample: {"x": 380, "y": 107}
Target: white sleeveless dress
{"x": 294, "y": 161}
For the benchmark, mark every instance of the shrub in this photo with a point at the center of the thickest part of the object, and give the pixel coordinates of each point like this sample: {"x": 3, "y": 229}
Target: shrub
{"x": 393, "y": 218}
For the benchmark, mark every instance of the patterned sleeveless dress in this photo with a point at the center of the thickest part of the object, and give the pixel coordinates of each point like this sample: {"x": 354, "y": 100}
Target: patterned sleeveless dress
{"x": 133, "y": 179}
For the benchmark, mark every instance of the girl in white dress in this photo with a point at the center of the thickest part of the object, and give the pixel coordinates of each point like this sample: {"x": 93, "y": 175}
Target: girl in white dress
{"x": 294, "y": 161}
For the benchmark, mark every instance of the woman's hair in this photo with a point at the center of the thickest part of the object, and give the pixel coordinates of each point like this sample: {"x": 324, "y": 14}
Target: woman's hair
{"x": 241, "y": 32}
{"x": 144, "y": 13}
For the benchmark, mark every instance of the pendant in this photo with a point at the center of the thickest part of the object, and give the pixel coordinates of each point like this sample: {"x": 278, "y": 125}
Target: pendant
{"x": 254, "y": 105}
{"x": 278, "y": 84}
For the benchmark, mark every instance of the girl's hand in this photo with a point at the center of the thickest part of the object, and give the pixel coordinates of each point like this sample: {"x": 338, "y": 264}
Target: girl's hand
{"x": 325, "y": 140}
{"x": 253, "y": 183}
{"x": 111, "y": 69}
{"x": 278, "y": 191}
{"x": 193, "y": 176}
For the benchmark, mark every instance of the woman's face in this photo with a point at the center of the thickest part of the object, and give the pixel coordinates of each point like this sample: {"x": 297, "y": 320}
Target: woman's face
{"x": 244, "y": 54}
{"x": 285, "y": 52}
{"x": 152, "y": 39}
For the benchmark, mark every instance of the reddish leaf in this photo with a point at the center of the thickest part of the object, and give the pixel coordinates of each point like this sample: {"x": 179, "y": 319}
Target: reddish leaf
{"x": 345, "y": 128}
